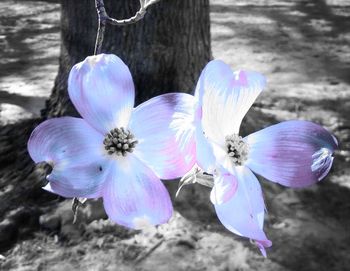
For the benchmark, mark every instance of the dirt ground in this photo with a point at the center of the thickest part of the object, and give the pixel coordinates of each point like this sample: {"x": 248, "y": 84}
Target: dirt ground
{"x": 302, "y": 47}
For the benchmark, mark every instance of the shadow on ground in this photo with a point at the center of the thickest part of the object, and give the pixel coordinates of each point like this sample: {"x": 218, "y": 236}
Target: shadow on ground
{"x": 303, "y": 49}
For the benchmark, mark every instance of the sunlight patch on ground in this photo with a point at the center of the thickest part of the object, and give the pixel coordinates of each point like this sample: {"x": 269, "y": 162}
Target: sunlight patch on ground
{"x": 10, "y": 113}
{"x": 29, "y": 42}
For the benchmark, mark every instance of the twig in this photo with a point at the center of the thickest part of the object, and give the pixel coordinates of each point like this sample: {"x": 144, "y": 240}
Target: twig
{"x": 101, "y": 13}
{"x": 149, "y": 251}
{"x": 103, "y": 19}
{"x": 75, "y": 206}
{"x": 195, "y": 175}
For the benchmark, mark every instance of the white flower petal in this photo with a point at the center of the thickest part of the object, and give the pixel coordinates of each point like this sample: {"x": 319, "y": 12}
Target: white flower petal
{"x": 102, "y": 90}
{"x": 243, "y": 213}
{"x": 74, "y": 150}
{"x": 134, "y": 196}
{"x": 163, "y": 126}
{"x": 225, "y": 186}
{"x": 225, "y": 97}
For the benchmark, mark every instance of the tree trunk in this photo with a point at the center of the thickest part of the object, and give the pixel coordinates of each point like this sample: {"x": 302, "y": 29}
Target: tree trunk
{"x": 165, "y": 51}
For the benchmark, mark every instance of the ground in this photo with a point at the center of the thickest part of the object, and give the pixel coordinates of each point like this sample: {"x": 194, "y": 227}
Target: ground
{"x": 302, "y": 47}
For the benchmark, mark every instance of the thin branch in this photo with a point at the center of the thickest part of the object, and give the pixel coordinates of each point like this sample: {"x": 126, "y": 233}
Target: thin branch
{"x": 75, "y": 206}
{"x": 195, "y": 175}
{"x": 103, "y": 19}
{"x": 101, "y": 13}
{"x": 141, "y": 257}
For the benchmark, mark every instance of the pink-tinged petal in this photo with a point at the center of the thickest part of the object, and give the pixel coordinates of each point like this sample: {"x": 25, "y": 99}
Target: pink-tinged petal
{"x": 225, "y": 97}
{"x": 204, "y": 153}
{"x": 243, "y": 213}
{"x": 74, "y": 150}
{"x": 85, "y": 181}
{"x": 291, "y": 153}
{"x": 262, "y": 245}
{"x": 102, "y": 90}
{"x": 65, "y": 141}
{"x": 134, "y": 195}
{"x": 164, "y": 129}
{"x": 225, "y": 186}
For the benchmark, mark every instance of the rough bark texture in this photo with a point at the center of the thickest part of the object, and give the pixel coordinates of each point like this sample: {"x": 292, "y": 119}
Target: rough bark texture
{"x": 165, "y": 51}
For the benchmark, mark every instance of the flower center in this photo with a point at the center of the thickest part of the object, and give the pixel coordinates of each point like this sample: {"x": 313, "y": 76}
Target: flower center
{"x": 237, "y": 149}
{"x": 119, "y": 141}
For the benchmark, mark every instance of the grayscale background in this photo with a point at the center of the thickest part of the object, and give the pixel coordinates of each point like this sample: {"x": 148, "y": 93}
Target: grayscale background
{"x": 301, "y": 46}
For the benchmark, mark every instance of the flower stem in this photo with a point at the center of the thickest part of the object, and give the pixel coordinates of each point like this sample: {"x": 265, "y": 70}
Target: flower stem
{"x": 101, "y": 12}
{"x": 103, "y": 19}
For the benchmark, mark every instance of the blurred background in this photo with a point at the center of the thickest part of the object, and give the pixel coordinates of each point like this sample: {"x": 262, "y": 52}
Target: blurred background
{"x": 301, "y": 46}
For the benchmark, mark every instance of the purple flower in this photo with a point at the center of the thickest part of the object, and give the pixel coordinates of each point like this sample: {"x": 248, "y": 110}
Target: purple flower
{"x": 292, "y": 153}
{"x": 116, "y": 151}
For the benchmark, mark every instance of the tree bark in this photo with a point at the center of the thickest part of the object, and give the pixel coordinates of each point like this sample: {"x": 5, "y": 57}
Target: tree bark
{"x": 165, "y": 51}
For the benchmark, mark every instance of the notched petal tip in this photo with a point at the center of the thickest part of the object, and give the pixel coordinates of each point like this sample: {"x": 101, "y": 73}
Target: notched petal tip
{"x": 262, "y": 245}
{"x": 95, "y": 59}
{"x": 322, "y": 163}
{"x": 292, "y": 153}
{"x": 224, "y": 97}
{"x": 102, "y": 90}
{"x": 249, "y": 79}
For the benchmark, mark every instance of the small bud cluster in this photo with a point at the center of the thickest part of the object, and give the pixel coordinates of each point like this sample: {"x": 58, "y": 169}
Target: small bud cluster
{"x": 119, "y": 141}
{"x": 237, "y": 149}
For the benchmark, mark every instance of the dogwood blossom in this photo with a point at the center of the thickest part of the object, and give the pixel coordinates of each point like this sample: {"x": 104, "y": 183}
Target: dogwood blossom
{"x": 292, "y": 153}
{"x": 115, "y": 151}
